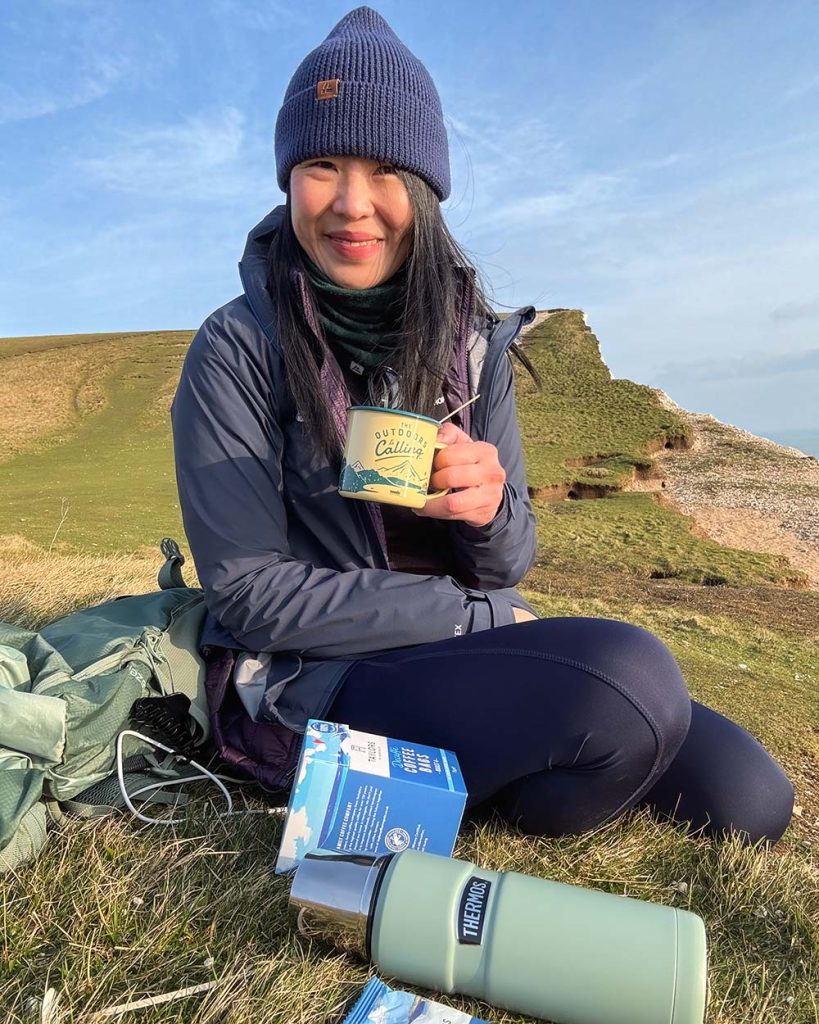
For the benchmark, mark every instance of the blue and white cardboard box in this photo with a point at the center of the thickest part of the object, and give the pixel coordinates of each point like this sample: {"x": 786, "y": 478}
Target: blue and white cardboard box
{"x": 359, "y": 793}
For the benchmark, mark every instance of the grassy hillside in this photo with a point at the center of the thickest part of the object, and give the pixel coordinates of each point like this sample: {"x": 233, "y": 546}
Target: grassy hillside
{"x": 88, "y": 454}
{"x": 585, "y": 429}
{"x": 112, "y": 912}
{"x": 87, "y": 458}
{"x": 587, "y": 435}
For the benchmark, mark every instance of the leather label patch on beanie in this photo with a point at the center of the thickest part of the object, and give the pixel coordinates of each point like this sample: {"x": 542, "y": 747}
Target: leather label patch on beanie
{"x": 328, "y": 89}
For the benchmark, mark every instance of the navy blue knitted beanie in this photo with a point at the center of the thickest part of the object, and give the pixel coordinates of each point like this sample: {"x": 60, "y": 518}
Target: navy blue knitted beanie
{"x": 362, "y": 93}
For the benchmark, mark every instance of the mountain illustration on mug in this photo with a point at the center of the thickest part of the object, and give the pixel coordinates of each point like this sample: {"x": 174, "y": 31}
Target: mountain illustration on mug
{"x": 400, "y": 474}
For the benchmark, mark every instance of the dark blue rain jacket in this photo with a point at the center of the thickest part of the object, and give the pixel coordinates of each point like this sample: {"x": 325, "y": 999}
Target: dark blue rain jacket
{"x": 287, "y": 565}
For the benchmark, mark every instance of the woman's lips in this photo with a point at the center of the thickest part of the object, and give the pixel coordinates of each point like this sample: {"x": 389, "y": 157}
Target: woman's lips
{"x": 355, "y": 250}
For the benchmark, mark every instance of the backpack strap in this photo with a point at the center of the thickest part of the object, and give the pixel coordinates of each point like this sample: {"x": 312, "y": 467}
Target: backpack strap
{"x": 170, "y": 575}
{"x": 105, "y": 797}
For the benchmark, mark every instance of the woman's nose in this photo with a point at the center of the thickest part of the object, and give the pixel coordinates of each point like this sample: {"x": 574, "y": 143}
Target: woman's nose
{"x": 353, "y": 197}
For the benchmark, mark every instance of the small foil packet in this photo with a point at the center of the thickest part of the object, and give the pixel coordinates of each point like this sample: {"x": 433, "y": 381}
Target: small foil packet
{"x": 380, "y": 1004}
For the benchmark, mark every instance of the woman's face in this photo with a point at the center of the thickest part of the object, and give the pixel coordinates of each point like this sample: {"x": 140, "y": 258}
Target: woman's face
{"x": 352, "y": 217}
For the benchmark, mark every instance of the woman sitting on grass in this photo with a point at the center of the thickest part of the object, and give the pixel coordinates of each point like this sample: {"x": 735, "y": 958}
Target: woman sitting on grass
{"x": 395, "y": 622}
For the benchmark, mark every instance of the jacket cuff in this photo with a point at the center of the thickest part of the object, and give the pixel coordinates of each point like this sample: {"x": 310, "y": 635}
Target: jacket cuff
{"x": 503, "y": 612}
{"x": 502, "y": 517}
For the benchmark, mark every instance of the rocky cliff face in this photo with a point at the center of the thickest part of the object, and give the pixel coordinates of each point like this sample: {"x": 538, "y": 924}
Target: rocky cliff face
{"x": 747, "y": 491}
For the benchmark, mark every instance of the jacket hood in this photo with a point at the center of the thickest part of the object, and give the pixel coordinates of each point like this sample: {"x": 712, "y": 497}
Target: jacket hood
{"x": 253, "y": 267}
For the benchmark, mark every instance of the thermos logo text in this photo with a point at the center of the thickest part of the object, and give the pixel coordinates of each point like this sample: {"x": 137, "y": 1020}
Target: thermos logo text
{"x": 472, "y": 910}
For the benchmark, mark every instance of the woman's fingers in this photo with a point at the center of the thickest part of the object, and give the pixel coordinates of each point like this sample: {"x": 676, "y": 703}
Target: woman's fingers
{"x": 474, "y": 505}
{"x": 467, "y": 465}
{"x": 460, "y": 505}
{"x": 450, "y": 434}
{"x": 470, "y": 475}
{"x": 471, "y": 472}
{"x": 464, "y": 452}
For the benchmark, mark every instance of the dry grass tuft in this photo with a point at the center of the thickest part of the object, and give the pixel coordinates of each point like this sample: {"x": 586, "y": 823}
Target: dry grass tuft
{"x": 37, "y": 586}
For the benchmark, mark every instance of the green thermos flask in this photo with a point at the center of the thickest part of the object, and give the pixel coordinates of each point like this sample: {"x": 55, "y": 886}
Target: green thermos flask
{"x": 553, "y": 951}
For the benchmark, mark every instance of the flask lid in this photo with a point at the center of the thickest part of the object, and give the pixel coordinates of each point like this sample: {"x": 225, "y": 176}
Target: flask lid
{"x": 333, "y": 896}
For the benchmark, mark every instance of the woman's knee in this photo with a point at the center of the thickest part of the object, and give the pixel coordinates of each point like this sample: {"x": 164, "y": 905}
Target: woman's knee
{"x": 650, "y": 712}
{"x": 747, "y": 791}
{"x": 641, "y": 667}
{"x": 724, "y": 781}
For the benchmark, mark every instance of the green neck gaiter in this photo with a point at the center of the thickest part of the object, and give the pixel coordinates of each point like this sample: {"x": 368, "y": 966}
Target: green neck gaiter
{"x": 363, "y": 323}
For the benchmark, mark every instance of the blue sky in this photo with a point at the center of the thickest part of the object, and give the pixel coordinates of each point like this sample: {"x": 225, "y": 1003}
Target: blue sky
{"x": 655, "y": 164}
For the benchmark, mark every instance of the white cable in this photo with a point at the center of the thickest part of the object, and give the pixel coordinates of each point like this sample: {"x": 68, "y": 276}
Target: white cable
{"x": 204, "y": 774}
{"x": 161, "y": 746}
{"x": 195, "y": 778}
{"x": 236, "y": 782}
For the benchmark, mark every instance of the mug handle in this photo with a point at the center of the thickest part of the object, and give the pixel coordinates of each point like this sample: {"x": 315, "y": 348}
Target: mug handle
{"x": 437, "y": 494}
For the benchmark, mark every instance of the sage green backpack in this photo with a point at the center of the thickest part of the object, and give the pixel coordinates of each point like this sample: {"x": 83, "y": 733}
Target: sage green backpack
{"x": 68, "y": 691}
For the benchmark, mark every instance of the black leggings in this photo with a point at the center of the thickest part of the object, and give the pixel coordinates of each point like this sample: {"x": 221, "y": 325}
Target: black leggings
{"x": 560, "y": 724}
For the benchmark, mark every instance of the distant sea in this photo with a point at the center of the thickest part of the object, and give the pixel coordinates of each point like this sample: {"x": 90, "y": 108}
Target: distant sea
{"x": 806, "y": 441}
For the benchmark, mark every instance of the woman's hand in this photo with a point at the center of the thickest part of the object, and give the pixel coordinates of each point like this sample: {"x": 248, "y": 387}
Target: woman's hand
{"x": 470, "y": 470}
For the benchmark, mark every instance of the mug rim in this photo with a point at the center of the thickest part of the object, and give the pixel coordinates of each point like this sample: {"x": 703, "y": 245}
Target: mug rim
{"x": 395, "y": 412}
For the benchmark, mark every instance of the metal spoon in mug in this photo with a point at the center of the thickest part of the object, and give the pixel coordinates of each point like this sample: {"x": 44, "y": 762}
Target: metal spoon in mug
{"x": 465, "y": 404}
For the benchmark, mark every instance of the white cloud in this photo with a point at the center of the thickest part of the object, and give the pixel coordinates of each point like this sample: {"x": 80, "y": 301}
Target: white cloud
{"x": 98, "y": 77}
{"x": 162, "y": 270}
{"x": 802, "y": 88}
{"x": 750, "y": 366}
{"x": 264, "y": 16}
{"x": 200, "y": 158}
{"x": 534, "y": 211}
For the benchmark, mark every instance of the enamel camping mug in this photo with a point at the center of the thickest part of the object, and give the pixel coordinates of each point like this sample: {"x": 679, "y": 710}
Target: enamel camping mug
{"x": 388, "y": 456}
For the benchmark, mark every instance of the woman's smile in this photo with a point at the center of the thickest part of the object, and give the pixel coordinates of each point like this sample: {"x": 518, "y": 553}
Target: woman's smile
{"x": 354, "y": 245}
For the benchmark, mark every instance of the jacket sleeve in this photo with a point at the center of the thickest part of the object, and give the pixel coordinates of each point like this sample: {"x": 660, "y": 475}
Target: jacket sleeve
{"x": 502, "y": 552}
{"x": 228, "y": 442}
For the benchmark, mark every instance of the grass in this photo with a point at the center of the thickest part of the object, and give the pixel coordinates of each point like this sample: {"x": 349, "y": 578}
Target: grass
{"x": 113, "y": 911}
{"x": 632, "y": 533}
{"x": 582, "y": 414}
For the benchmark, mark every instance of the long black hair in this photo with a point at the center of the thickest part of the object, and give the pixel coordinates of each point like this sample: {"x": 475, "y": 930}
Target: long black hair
{"x": 440, "y": 277}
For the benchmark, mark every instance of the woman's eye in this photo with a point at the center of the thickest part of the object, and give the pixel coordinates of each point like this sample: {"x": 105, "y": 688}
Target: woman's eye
{"x": 387, "y": 169}
{"x": 323, "y": 163}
